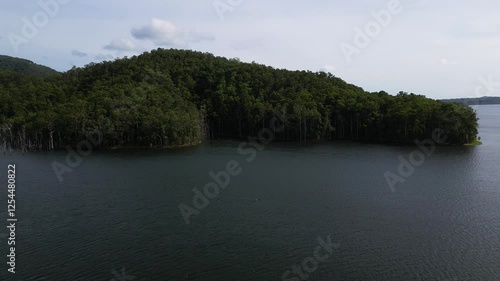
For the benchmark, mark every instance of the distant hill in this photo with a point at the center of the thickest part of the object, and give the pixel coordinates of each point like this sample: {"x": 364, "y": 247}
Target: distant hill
{"x": 24, "y": 67}
{"x": 476, "y": 101}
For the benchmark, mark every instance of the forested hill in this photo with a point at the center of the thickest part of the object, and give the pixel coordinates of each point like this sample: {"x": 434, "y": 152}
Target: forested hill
{"x": 25, "y": 67}
{"x": 175, "y": 97}
{"x": 476, "y": 101}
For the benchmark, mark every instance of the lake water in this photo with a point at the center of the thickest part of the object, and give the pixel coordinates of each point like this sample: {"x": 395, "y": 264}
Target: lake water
{"x": 117, "y": 217}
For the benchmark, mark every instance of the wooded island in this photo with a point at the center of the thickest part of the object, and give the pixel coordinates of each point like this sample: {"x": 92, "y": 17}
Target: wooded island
{"x": 175, "y": 97}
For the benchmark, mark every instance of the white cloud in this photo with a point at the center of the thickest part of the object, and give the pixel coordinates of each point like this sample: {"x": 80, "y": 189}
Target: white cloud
{"x": 77, "y": 53}
{"x": 102, "y": 57}
{"x": 446, "y": 61}
{"x": 328, "y": 68}
{"x": 302, "y": 35}
{"x": 122, "y": 45}
{"x": 165, "y": 33}
{"x": 161, "y": 32}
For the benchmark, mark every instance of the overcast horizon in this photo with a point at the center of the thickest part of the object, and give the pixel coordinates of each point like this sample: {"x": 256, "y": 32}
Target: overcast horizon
{"x": 441, "y": 50}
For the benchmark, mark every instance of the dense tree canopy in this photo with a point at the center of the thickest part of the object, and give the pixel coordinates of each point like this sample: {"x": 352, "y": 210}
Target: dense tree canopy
{"x": 175, "y": 97}
{"x": 25, "y": 67}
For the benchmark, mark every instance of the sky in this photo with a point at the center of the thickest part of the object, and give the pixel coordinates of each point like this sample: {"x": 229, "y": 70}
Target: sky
{"x": 441, "y": 49}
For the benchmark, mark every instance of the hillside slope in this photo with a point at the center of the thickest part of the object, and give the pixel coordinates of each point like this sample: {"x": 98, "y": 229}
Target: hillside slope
{"x": 176, "y": 97}
{"x": 24, "y": 67}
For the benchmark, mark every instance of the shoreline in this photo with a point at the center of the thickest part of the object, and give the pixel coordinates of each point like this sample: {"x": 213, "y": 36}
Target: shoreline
{"x": 474, "y": 143}
{"x": 153, "y": 148}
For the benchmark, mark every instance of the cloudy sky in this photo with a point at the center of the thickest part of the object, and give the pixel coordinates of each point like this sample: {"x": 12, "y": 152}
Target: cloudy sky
{"x": 441, "y": 49}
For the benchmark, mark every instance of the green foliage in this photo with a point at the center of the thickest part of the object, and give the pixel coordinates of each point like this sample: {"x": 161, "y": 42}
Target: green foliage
{"x": 174, "y": 97}
{"x": 26, "y": 67}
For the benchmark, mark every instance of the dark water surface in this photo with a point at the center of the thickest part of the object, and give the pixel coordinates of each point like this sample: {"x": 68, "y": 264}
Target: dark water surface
{"x": 120, "y": 210}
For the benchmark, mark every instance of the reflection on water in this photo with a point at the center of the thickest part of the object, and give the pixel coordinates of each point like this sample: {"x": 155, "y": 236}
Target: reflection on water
{"x": 119, "y": 209}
